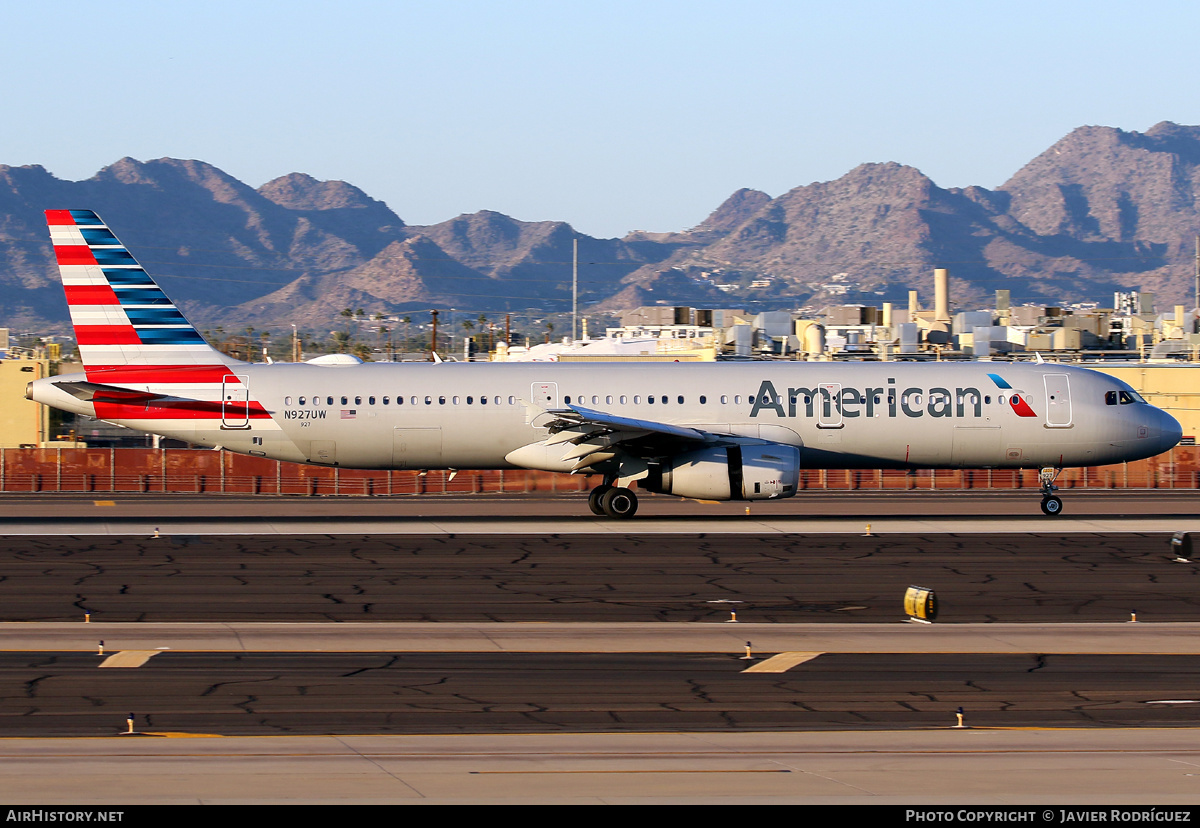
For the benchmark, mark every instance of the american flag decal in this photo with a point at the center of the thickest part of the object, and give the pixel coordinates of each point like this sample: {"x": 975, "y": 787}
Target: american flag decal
{"x": 349, "y": 414}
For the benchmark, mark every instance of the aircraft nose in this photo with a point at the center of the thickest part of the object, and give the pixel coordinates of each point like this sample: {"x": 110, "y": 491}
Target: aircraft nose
{"x": 1169, "y": 430}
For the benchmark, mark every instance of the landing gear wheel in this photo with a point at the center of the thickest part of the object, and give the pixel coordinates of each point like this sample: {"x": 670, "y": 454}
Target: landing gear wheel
{"x": 595, "y": 497}
{"x": 619, "y": 502}
{"x": 1052, "y": 506}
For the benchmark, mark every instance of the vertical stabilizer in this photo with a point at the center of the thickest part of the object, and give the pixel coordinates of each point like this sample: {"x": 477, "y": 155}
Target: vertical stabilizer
{"x": 121, "y": 317}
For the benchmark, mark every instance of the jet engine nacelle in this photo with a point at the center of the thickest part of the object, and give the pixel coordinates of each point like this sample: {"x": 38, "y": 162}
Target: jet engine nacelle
{"x": 745, "y": 472}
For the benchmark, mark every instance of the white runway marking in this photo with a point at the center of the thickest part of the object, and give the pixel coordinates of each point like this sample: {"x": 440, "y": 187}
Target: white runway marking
{"x": 129, "y": 658}
{"x": 781, "y": 663}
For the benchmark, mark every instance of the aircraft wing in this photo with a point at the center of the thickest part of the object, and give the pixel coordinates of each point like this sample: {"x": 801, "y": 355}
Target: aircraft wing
{"x": 590, "y": 437}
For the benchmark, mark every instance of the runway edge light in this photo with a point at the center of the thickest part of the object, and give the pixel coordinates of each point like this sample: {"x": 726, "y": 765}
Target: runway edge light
{"x": 1181, "y": 545}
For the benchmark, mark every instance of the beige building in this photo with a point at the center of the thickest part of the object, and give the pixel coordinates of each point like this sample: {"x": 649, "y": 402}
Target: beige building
{"x": 22, "y": 422}
{"x": 1174, "y": 388}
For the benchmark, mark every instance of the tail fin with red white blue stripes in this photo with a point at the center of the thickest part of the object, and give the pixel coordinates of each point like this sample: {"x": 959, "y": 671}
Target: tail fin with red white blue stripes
{"x": 121, "y": 317}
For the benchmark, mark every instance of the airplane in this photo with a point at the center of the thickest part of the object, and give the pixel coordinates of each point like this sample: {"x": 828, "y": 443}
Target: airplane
{"x": 717, "y": 431}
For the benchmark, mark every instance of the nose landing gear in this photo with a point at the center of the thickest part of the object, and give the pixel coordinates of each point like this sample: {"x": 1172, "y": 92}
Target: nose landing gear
{"x": 1051, "y": 503}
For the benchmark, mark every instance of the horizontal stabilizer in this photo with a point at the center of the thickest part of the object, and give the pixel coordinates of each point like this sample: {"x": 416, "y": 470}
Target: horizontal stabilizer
{"x": 95, "y": 391}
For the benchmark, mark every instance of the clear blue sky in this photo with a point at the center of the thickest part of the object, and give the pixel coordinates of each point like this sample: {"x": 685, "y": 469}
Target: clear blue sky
{"x": 612, "y": 116}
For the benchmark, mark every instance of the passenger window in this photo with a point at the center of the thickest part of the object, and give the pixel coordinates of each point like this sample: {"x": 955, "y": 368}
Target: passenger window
{"x": 703, "y": 400}
{"x": 455, "y": 400}
{"x": 664, "y": 399}
{"x": 345, "y": 401}
{"x": 302, "y": 400}
{"x": 287, "y": 400}
{"x": 649, "y": 399}
{"x": 358, "y": 400}
{"x": 441, "y": 400}
{"x": 637, "y": 399}
{"x": 370, "y": 400}
{"x": 724, "y": 399}
{"x": 470, "y": 400}
{"x": 511, "y": 400}
{"x": 567, "y": 399}
{"x": 608, "y": 400}
{"x": 681, "y": 399}
{"x": 429, "y": 400}
{"x": 328, "y": 400}
{"x": 385, "y": 400}
{"x": 483, "y": 400}
{"x": 624, "y": 399}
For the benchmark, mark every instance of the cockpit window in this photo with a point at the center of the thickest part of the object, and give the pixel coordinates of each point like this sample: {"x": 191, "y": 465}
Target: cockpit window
{"x": 1124, "y": 397}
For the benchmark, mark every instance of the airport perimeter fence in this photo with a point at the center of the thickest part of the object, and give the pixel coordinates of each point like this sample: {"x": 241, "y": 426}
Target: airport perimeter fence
{"x": 193, "y": 471}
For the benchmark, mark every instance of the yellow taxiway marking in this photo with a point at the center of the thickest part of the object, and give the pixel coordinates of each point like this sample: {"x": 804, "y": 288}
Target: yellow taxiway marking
{"x": 129, "y": 658}
{"x": 104, "y": 503}
{"x": 781, "y": 663}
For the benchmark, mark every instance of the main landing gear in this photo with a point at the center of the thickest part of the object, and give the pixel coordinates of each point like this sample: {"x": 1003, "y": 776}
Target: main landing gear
{"x": 1051, "y": 503}
{"x": 612, "y": 501}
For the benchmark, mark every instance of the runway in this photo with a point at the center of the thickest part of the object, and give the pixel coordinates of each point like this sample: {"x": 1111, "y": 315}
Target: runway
{"x": 607, "y": 578}
{"x": 908, "y": 769}
{"x": 589, "y": 660}
{"x": 969, "y": 512}
{"x": 264, "y": 694}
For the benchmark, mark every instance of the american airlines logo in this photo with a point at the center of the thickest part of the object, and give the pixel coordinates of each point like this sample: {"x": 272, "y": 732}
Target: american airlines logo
{"x": 828, "y": 401}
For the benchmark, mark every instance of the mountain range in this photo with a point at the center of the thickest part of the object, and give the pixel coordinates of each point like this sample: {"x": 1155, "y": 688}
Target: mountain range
{"x": 1101, "y": 210}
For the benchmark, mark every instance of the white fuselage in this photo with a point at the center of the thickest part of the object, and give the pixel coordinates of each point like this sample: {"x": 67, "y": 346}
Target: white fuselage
{"x": 488, "y": 416}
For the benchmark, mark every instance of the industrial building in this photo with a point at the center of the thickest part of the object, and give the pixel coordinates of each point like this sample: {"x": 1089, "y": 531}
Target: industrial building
{"x": 22, "y": 422}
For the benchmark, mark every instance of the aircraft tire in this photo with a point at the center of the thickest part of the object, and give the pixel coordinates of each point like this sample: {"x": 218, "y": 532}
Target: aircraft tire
{"x": 1052, "y": 506}
{"x": 619, "y": 502}
{"x": 594, "y": 500}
